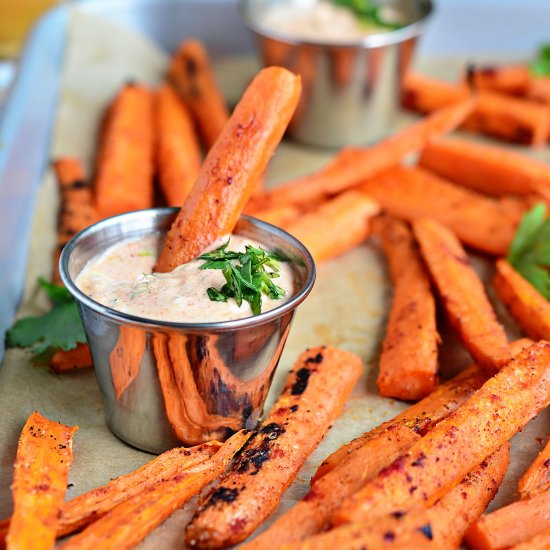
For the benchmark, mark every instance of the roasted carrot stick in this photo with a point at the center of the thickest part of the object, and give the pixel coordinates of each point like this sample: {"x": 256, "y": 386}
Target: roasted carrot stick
{"x": 424, "y": 94}
{"x": 536, "y": 478}
{"x": 279, "y": 215}
{"x": 513, "y": 524}
{"x": 76, "y": 210}
{"x": 191, "y": 74}
{"x": 506, "y": 79}
{"x": 538, "y": 542}
{"x": 462, "y": 294}
{"x": 125, "y": 358}
{"x": 178, "y": 155}
{"x": 524, "y": 302}
{"x": 485, "y": 168}
{"x": 132, "y": 520}
{"x": 124, "y": 179}
{"x": 314, "y": 394}
{"x": 436, "y": 463}
{"x": 336, "y": 226}
{"x": 539, "y": 89}
{"x": 439, "y": 527}
{"x": 41, "y": 470}
{"x": 311, "y": 515}
{"x": 412, "y": 193}
{"x": 233, "y": 166}
{"x": 353, "y": 166}
{"x": 77, "y": 358}
{"x": 408, "y": 363}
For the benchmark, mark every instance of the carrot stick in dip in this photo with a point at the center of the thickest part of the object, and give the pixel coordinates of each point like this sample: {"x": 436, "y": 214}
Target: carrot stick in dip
{"x": 125, "y": 358}
{"x": 124, "y": 179}
{"x": 41, "y": 470}
{"x": 463, "y": 295}
{"x": 536, "y": 478}
{"x": 408, "y": 363}
{"x": 178, "y": 155}
{"x": 314, "y": 394}
{"x": 233, "y": 166}
{"x": 436, "y": 463}
{"x": 191, "y": 74}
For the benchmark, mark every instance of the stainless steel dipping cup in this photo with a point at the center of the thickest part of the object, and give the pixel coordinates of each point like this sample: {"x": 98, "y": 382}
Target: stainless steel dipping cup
{"x": 165, "y": 383}
{"x": 351, "y": 91}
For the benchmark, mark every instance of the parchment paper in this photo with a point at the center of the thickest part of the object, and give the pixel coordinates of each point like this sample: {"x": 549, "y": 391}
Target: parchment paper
{"x": 347, "y": 307}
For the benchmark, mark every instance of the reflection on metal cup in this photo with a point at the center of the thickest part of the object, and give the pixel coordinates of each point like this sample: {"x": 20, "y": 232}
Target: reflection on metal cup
{"x": 350, "y": 91}
{"x": 166, "y": 383}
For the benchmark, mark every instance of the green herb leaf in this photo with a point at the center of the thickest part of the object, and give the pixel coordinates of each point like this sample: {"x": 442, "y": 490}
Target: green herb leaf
{"x": 368, "y": 13}
{"x": 246, "y": 275}
{"x": 540, "y": 66}
{"x": 529, "y": 252}
{"x": 59, "y": 328}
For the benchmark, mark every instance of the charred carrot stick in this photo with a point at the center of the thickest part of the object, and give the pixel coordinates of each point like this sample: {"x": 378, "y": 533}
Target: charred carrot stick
{"x": 440, "y": 526}
{"x": 279, "y": 215}
{"x": 411, "y": 193}
{"x": 536, "y": 478}
{"x": 132, "y": 520}
{"x": 463, "y": 295}
{"x": 77, "y": 358}
{"x": 124, "y": 178}
{"x": 485, "y": 168}
{"x": 353, "y": 166}
{"x": 506, "y": 79}
{"x": 44, "y": 456}
{"x": 191, "y": 74}
{"x": 524, "y": 302}
{"x": 233, "y": 166}
{"x": 424, "y": 94}
{"x": 178, "y": 155}
{"x": 312, "y": 514}
{"x": 336, "y": 226}
{"x": 125, "y": 358}
{"x": 538, "y": 542}
{"x": 408, "y": 363}
{"x": 314, "y": 394}
{"x": 76, "y": 211}
{"x": 436, "y": 463}
{"x": 513, "y": 524}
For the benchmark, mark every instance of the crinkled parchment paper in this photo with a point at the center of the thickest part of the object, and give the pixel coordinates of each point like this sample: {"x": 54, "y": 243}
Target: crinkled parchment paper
{"x": 347, "y": 307}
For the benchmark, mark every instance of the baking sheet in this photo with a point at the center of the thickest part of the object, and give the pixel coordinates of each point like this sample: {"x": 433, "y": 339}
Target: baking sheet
{"x": 347, "y": 307}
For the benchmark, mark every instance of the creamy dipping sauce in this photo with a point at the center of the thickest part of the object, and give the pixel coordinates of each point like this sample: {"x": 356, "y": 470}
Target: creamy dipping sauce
{"x": 122, "y": 278}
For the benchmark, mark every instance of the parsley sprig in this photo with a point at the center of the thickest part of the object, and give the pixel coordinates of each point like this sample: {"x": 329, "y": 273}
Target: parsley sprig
{"x": 529, "y": 252}
{"x": 540, "y": 66}
{"x": 248, "y": 275}
{"x": 368, "y": 13}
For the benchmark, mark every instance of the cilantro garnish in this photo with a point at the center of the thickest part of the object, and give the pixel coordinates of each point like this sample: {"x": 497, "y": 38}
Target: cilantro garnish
{"x": 529, "y": 252}
{"x": 248, "y": 275}
{"x": 368, "y": 13}
{"x": 59, "y": 328}
{"x": 540, "y": 66}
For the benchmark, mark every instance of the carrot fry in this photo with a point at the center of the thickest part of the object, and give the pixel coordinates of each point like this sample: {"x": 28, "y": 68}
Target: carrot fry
{"x": 538, "y": 542}
{"x": 311, "y": 515}
{"x": 132, "y": 520}
{"x": 424, "y": 94}
{"x": 524, "y": 302}
{"x": 76, "y": 210}
{"x": 513, "y": 524}
{"x": 279, "y": 215}
{"x": 77, "y": 358}
{"x": 436, "y": 463}
{"x": 314, "y": 394}
{"x": 539, "y": 90}
{"x": 536, "y": 478}
{"x": 192, "y": 76}
{"x": 125, "y": 358}
{"x": 485, "y": 168}
{"x": 506, "y": 79}
{"x": 412, "y": 193}
{"x": 336, "y": 226}
{"x": 124, "y": 179}
{"x": 463, "y": 295}
{"x": 352, "y": 166}
{"x": 41, "y": 470}
{"x": 408, "y": 363}
{"x": 440, "y": 527}
{"x": 233, "y": 166}
{"x": 178, "y": 155}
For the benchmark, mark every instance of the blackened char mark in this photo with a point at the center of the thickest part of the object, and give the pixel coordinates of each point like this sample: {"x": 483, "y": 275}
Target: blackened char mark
{"x": 302, "y": 379}
{"x": 222, "y": 494}
{"x": 254, "y": 456}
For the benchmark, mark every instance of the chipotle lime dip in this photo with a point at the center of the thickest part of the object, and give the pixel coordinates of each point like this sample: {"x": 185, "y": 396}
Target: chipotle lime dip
{"x": 122, "y": 278}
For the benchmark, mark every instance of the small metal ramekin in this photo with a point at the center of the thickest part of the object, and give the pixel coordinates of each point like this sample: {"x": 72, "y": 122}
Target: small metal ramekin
{"x": 351, "y": 91}
{"x": 166, "y": 383}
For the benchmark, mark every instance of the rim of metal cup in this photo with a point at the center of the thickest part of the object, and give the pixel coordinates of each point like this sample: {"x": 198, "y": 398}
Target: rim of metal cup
{"x": 218, "y": 326}
{"x": 376, "y": 40}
